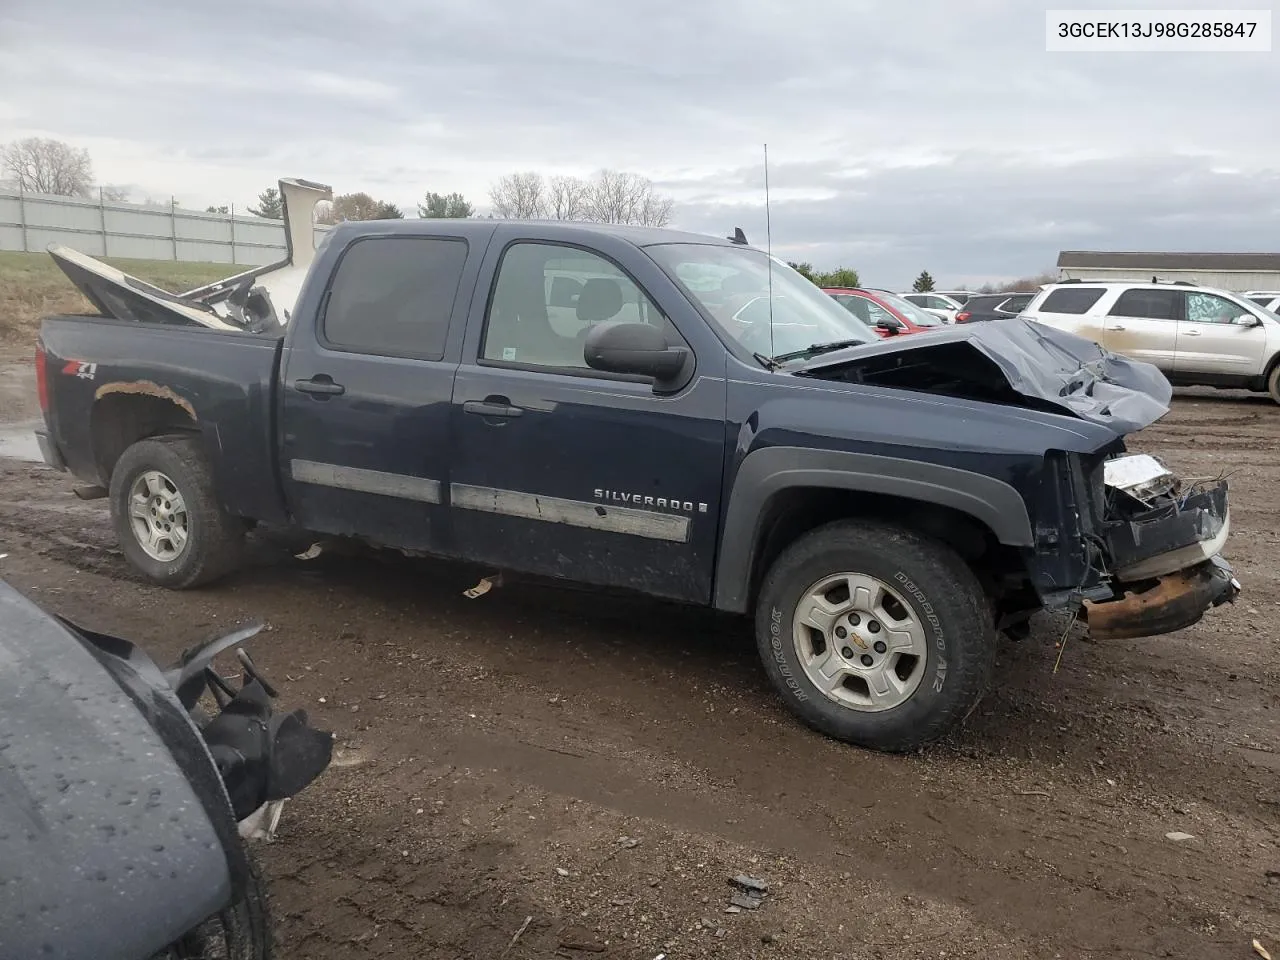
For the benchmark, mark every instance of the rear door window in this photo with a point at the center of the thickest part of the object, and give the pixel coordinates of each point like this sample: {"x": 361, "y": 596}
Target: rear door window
{"x": 858, "y": 306}
{"x": 393, "y": 296}
{"x": 1148, "y": 304}
{"x": 1071, "y": 300}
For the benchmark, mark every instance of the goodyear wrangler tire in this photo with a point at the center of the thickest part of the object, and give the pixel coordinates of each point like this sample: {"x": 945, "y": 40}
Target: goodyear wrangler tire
{"x": 875, "y": 635}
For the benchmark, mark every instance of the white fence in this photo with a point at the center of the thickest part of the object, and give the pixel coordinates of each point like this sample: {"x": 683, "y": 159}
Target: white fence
{"x": 32, "y": 221}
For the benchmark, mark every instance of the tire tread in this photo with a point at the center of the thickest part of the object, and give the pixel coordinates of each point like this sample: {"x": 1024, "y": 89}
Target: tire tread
{"x": 953, "y": 588}
{"x": 216, "y": 546}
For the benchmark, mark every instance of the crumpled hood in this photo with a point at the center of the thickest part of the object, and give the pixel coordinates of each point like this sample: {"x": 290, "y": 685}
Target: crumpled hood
{"x": 1045, "y": 365}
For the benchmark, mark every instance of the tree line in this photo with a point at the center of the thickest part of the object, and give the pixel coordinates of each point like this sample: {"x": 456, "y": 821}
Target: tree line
{"x": 924, "y": 284}
{"x": 839, "y": 277}
{"x": 42, "y": 165}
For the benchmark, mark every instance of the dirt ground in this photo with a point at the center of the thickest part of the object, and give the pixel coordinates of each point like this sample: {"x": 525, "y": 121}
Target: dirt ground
{"x": 588, "y": 772}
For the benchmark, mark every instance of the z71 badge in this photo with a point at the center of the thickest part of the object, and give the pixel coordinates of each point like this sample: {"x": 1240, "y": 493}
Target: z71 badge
{"x": 81, "y": 369}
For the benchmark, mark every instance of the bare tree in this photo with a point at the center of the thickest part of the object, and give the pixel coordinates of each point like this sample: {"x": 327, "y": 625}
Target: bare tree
{"x": 610, "y": 196}
{"x": 567, "y": 198}
{"x": 113, "y": 194}
{"x": 41, "y": 165}
{"x": 656, "y": 210}
{"x": 620, "y": 197}
{"x": 519, "y": 196}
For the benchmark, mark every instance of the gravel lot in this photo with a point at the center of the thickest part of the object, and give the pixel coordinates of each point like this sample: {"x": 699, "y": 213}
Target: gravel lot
{"x": 499, "y": 759}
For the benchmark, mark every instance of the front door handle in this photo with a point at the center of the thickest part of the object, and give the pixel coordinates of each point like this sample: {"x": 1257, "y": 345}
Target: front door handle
{"x": 1116, "y": 326}
{"x": 1193, "y": 333}
{"x": 321, "y": 384}
{"x": 492, "y": 407}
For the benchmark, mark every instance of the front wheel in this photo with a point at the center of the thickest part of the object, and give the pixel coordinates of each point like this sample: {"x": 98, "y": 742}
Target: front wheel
{"x": 243, "y": 931}
{"x": 1273, "y": 383}
{"x": 875, "y": 635}
{"x": 166, "y": 514}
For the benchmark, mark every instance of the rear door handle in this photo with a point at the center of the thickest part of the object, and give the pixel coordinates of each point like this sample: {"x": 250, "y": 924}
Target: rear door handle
{"x": 1193, "y": 333}
{"x": 1116, "y": 326}
{"x": 492, "y": 407}
{"x": 321, "y": 384}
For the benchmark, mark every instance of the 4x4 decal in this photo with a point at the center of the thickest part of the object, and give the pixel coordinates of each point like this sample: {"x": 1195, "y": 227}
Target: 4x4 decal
{"x": 81, "y": 369}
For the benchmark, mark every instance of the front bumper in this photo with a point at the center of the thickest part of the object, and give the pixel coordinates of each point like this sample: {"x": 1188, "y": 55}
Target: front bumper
{"x": 1175, "y": 601}
{"x": 1164, "y": 546}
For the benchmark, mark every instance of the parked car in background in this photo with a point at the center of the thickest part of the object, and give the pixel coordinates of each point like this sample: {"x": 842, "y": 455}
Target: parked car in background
{"x": 1268, "y": 299}
{"x": 886, "y": 314}
{"x": 993, "y": 306}
{"x": 941, "y": 306}
{"x": 959, "y": 296}
{"x": 1196, "y": 335}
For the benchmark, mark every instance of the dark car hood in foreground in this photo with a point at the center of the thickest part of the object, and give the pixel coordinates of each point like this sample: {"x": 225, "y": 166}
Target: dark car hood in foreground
{"x": 1048, "y": 367}
{"x": 105, "y": 849}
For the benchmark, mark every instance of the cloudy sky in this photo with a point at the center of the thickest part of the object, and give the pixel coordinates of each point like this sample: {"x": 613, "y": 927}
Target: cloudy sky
{"x": 903, "y": 134}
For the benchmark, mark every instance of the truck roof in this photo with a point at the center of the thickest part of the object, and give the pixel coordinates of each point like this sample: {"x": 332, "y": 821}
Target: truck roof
{"x": 559, "y": 229}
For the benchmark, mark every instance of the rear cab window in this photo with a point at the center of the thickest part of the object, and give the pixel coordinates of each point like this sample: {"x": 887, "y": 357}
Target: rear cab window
{"x": 394, "y": 296}
{"x": 1071, "y": 300}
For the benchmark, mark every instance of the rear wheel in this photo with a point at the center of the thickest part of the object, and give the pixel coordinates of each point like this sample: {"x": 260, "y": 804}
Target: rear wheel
{"x": 1273, "y": 383}
{"x": 875, "y": 635}
{"x": 166, "y": 516}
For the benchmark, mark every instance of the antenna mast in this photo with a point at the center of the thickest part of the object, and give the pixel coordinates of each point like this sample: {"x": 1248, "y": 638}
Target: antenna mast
{"x": 768, "y": 242}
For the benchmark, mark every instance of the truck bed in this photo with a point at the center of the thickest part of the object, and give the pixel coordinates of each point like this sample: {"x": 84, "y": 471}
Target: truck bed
{"x": 217, "y": 383}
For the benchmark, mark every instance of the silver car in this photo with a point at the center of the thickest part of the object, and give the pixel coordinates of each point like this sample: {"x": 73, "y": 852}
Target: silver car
{"x": 940, "y": 305}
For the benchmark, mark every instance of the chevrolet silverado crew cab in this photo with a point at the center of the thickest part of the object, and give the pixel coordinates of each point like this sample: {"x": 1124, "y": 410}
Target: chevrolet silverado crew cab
{"x": 592, "y": 403}
{"x": 1197, "y": 336}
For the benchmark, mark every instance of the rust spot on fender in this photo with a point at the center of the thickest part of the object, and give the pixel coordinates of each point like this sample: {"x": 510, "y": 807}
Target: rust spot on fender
{"x": 146, "y": 388}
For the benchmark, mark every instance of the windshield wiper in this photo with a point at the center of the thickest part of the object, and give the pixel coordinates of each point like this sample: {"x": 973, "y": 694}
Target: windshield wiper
{"x": 767, "y": 362}
{"x": 814, "y": 349}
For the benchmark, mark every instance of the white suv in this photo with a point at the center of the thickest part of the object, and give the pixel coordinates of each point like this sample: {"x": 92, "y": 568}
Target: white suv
{"x": 1196, "y": 335}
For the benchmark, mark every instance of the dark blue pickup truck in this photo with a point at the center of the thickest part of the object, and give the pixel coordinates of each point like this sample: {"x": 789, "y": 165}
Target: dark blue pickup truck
{"x": 672, "y": 414}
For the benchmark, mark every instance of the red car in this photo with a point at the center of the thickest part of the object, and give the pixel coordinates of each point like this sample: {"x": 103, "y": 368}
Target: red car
{"x": 884, "y": 313}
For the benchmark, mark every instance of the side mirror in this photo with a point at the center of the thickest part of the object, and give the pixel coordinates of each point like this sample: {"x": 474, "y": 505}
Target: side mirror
{"x": 1247, "y": 320}
{"x": 888, "y": 328}
{"x": 633, "y": 348}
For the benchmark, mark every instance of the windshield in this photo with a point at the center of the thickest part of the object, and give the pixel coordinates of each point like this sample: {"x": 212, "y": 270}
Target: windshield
{"x": 731, "y": 284}
{"x": 917, "y": 315}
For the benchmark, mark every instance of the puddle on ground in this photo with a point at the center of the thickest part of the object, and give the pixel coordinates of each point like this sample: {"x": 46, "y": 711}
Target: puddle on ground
{"x": 18, "y": 442}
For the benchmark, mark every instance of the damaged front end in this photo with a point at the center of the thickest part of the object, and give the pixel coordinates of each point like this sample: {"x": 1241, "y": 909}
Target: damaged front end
{"x": 1118, "y": 538}
{"x": 1163, "y": 537}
